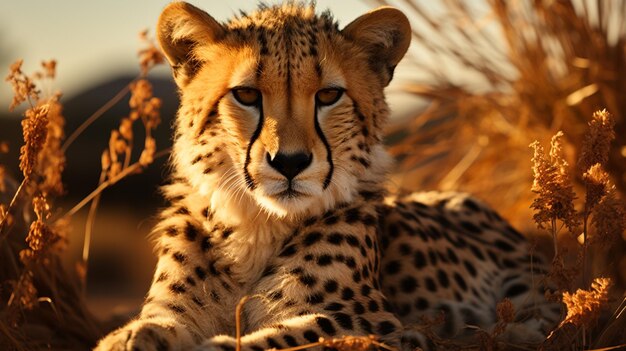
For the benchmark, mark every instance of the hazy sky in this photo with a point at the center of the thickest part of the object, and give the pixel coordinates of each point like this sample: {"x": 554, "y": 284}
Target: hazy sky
{"x": 96, "y": 40}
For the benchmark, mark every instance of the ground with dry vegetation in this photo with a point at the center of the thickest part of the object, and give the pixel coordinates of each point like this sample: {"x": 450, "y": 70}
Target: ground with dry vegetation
{"x": 555, "y": 75}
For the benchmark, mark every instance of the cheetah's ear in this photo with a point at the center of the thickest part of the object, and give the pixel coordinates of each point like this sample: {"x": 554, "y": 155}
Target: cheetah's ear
{"x": 385, "y": 33}
{"x": 181, "y": 27}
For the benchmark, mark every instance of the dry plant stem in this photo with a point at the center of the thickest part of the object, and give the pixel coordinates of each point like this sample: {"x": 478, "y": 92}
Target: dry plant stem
{"x": 322, "y": 342}
{"x": 91, "y": 217}
{"x": 554, "y": 238}
{"x": 584, "y": 267}
{"x": 585, "y": 246}
{"x": 302, "y": 347}
{"x": 129, "y": 151}
{"x": 614, "y": 317}
{"x": 129, "y": 170}
{"x": 618, "y": 347}
{"x": 9, "y": 333}
{"x": 11, "y": 204}
{"x": 238, "y": 321}
{"x": 238, "y": 309}
{"x": 96, "y": 115}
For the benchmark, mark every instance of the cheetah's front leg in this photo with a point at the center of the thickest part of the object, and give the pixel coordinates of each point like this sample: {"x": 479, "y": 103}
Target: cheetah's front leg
{"x": 302, "y": 330}
{"x": 187, "y": 300}
{"x": 323, "y": 283}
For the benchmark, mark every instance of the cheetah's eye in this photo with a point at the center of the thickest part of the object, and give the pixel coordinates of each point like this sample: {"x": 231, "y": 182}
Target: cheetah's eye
{"x": 328, "y": 96}
{"x": 247, "y": 96}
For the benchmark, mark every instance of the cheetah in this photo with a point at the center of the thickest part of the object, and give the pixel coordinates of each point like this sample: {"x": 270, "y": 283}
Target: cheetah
{"x": 277, "y": 192}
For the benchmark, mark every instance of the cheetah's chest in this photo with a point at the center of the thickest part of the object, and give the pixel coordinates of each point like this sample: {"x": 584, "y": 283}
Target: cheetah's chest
{"x": 247, "y": 251}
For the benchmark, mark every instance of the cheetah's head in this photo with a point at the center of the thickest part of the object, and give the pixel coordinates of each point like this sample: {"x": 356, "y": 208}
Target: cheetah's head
{"x": 280, "y": 107}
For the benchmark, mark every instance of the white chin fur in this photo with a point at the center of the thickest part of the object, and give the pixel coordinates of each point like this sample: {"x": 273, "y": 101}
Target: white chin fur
{"x": 282, "y": 208}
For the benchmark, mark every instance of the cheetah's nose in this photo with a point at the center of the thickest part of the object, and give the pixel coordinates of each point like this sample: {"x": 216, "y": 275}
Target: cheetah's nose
{"x": 290, "y": 165}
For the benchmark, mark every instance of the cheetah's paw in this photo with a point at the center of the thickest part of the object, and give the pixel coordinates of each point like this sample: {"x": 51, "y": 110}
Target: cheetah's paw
{"x": 142, "y": 335}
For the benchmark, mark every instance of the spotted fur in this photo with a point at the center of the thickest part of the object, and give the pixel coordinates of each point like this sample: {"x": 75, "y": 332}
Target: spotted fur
{"x": 282, "y": 198}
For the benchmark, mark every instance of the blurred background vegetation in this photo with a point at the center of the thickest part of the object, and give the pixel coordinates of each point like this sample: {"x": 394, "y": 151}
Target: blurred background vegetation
{"x": 531, "y": 68}
{"x": 483, "y": 79}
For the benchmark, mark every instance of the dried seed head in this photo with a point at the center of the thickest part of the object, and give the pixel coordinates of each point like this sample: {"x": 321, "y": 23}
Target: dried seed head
{"x": 23, "y": 87}
{"x": 40, "y": 237}
{"x": 561, "y": 275}
{"x": 27, "y": 257}
{"x": 505, "y": 311}
{"x": 120, "y": 146}
{"x": 147, "y": 155}
{"x": 597, "y": 141}
{"x": 105, "y": 160}
{"x": 144, "y": 105}
{"x": 41, "y": 207}
{"x": 141, "y": 91}
{"x": 134, "y": 115}
{"x": 35, "y": 130}
{"x": 596, "y": 181}
{"x": 43, "y": 131}
{"x": 609, "y": 218}
{"x": 148, "y": 108}
{"x": 583, "y": 306}
{"x": 15, "y": 68}
{"x": 126, "y": 129}
{"x": 50, "y": 68}
{"x": 117, "y": 147}
{"x": 25, "y": 292}
{"x": 555, "y": 194}
{"x": 51, "y": 163}
{"x": 115, "y": 135}
{"x": 152, "y": 111}
{"x": 149, "y": 56}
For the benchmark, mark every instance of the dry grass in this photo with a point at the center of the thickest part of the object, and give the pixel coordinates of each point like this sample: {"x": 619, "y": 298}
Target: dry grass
{"x": 499, "y": 76}
{"x": 541, "y": 67}
{"x": 44, "y": 303}
{"x": 555, "y": 208}
{"x": 502, "y": 74}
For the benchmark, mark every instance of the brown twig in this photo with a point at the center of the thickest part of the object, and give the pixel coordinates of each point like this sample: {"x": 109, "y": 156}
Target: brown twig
{"x": 99, "y": 112}
{"x": 91, "y": 217}
{"x": 338, "y": 342}
{"x": 238, "y": 322}
{"x": 618, "y": 347}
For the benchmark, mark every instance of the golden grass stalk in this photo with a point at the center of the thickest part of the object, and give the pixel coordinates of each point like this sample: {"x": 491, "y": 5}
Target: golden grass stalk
{"x": 555, "y": 193}
{"x": 583, "y": 310}
{"x": 583, "y": 306}
{"x": 601, "y": 205}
